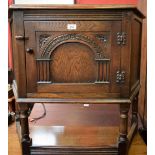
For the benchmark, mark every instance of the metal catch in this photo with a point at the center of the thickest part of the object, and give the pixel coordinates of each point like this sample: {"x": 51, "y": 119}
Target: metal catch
{"x": 20, "y": 37}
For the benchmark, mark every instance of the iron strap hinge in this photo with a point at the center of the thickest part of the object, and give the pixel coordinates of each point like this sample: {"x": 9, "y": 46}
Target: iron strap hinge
{"x": 120, "y": 76}
{"x": 121, "y": 38}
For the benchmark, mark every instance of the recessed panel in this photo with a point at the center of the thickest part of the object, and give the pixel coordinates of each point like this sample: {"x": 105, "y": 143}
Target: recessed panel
{"x": 73, "y": 63}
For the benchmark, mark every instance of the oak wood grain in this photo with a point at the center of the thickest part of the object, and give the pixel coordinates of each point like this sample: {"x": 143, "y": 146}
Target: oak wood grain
{"x": 73, "y": 63}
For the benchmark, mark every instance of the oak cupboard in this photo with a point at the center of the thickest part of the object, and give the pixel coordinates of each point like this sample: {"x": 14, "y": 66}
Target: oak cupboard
{"x": 76, "y": 54}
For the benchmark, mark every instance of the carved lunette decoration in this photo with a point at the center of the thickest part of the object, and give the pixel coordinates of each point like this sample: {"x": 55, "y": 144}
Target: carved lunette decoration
{"x": 48, "y": 44}
{"x": 51, "y": 44}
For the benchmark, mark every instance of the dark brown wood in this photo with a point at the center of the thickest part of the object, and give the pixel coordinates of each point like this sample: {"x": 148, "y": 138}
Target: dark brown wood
{"x": 123, "y": 130}
{"x": 19, "y": 53}
{"x": 76, "y": 151}
{"x": 24, "y": 125}
{"x": 135, "y": 110}
{"x": 74, "y": 68}
{"x": 137, "y": 147}
{"x": 134, "y": 119}
{"x": 136, "y": 52}
{"x": 142, "y": 105}
{"x": 78, "y": 6}
{"x": 126, "y": 52}
{"x": 77, "y": 54}
{"x": 11, "y": 100}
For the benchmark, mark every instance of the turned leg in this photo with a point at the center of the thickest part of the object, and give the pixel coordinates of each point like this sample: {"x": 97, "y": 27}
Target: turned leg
{"x": 123, "y": 130}
{"x": 25, "y": 139}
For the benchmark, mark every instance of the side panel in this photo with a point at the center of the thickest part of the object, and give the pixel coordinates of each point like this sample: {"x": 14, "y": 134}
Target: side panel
{"x": 126, "y": 53}
{"x": 19, "y": 53}
{"x": 135, "y": 52}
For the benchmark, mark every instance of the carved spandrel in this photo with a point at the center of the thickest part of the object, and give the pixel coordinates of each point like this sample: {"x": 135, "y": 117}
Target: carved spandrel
{"x": 43, "y": 39}
{"x": 102, "y": 37}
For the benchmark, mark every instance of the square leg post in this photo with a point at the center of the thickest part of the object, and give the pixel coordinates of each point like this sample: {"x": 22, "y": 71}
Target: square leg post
{"x": 134, "y": 119}
{"x": 123, "y": 130}
{"x": 17, "y": 119}
{"x": 24, "y": 133}
{"x": 135, "y": 110}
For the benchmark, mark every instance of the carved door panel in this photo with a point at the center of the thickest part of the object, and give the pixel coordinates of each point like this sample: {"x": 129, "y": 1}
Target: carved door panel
{"x": 72, "y": 57}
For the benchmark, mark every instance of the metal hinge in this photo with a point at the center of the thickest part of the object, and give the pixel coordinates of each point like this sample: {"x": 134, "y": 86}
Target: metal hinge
{"x": 120, "y": 76}
{"x": 121, "y": 38}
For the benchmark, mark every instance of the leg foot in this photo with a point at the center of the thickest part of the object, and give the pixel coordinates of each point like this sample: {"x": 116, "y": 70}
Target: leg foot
{"x": 26, "y": 143}
{"x": 25, "y": 139}
{"x": 123, "y": 140}
{"x": 123, "y": 146}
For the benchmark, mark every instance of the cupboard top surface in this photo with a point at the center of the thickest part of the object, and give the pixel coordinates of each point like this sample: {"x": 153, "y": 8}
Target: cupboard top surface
{"x": 77, "y": 6}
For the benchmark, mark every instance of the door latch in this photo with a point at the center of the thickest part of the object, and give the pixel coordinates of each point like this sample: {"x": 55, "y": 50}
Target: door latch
{"x": 20, "y": 37}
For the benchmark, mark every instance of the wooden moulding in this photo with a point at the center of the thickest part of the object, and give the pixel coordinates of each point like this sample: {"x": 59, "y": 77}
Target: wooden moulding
{"x": 78, "y": 101}
{"x": 76, "y": 7}
{"x": 69, "y": 151}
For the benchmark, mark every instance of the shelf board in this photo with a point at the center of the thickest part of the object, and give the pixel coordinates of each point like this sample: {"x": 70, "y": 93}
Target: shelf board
{"x": 74, "y": 136}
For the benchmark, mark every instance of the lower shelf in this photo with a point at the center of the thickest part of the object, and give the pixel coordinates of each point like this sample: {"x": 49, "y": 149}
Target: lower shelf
{"x": 67, "y": 140}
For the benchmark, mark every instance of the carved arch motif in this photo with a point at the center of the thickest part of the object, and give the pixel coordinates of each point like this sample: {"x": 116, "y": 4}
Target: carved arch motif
{"x": 50, "y": 44}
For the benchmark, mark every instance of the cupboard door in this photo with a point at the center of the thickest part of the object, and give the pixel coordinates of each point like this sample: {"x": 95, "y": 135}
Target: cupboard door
{"x": 72, "y": 56}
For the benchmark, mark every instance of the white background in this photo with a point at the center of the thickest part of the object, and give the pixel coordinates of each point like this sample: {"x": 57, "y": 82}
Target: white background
{"x": 4, "y": 77}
